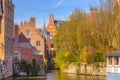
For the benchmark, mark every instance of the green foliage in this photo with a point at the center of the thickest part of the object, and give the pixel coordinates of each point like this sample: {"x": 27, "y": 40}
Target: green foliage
{"x": 31, "y": 68}
{"x": 35, "y": 68}
{"x": 71, "y": 40}
{"x": 84, "y": 38}
{"x": 99, "y": 57}
{"x": 25, "y": 66}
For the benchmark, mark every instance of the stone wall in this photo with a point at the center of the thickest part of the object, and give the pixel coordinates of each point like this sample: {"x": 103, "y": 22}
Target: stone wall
{"x": 5, "y": 71}
{"x": 87, "y": 70}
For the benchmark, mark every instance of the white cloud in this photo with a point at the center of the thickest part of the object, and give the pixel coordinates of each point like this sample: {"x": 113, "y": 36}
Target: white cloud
{"x": 59, "y": 3}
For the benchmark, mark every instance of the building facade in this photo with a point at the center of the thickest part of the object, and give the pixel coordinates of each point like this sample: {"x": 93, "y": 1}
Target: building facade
{"x": 51, "y": 28}
{"x": 23, "y": 50}
{"x": 53, "y": 25}
{"x": 6, "y": 36}
{"x": 34, "y": 34}
{"x": 113, "y": 65}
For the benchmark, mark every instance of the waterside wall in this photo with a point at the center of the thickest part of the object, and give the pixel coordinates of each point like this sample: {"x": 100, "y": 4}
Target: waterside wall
{"x": 85, "y": 70}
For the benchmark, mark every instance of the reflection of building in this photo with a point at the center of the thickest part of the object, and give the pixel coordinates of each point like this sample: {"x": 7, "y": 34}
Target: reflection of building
{"x": 34, "y": 34}
{"x": 6, "y": 36}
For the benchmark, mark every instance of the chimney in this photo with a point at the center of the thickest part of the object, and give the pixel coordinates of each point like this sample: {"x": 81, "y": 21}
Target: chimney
{"x": 93, "y": 11}
{"x": 25, "y": 24}
{"x": 21, "y": 24}
{"x": 33, "y": 21}
{"x": 16, "y": 32}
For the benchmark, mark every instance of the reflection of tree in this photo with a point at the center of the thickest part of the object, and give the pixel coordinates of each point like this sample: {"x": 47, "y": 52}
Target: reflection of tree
{"x": 2, "y": 46}
{"x": 1, "y": 11}
{"x": 1, "y": 66}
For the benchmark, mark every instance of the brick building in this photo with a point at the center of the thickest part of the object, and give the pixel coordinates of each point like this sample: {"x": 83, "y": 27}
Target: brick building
{"x": 34, "y": 34}
{"x": 23, "y": 48}
{"x": 52, "y": 27}
{"x": 6, "y": 36}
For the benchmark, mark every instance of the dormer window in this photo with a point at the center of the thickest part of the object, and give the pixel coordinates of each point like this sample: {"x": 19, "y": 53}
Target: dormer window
{"x": 28, "y": 32}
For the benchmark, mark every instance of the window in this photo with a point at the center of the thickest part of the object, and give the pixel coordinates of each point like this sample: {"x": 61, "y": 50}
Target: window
{"x": 38, "y": 52}
{"x": 28, "y": 32}
{"x": 52, "y": 45}
{"x": 50, "y": 27}
{"x": 38, "y": 43}
{"x": 50, "y": 30}
{"x": 109, "y": 60}
{"x": 116, "y": 60}
{"x": 51, "y": 37}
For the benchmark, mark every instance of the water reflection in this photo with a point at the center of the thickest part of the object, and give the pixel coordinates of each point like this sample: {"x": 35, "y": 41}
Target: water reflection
{"x": 55, "y": 75}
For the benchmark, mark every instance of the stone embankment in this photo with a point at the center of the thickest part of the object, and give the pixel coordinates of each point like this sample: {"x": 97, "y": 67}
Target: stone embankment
{"x": 85, "y": 70}
{"x": 5, "y": 74}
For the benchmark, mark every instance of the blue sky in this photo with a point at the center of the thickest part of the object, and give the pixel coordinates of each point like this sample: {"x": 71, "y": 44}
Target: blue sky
{"x": 40, "y": 9}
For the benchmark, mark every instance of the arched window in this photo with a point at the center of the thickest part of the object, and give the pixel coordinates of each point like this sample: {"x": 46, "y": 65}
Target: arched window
{"x": 28, "y": 32}
{"x": 38, "y": 43}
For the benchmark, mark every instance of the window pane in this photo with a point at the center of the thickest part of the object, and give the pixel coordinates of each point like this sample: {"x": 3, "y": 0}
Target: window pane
{"x": 38, "y": 52}
{"x": 28, "y": 32}
{"x": 38, "y": 43}
{"x": 116, "y": 60}
{"x": 109, "y": 60}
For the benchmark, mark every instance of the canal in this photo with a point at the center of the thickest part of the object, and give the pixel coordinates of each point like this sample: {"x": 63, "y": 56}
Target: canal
{"x": 55, "y": 75}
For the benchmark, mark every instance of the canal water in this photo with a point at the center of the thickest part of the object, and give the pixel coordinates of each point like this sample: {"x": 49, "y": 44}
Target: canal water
{"x": 55, "y": 75}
